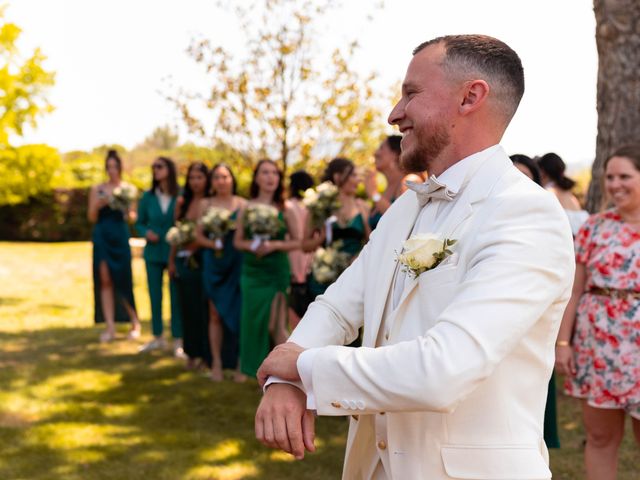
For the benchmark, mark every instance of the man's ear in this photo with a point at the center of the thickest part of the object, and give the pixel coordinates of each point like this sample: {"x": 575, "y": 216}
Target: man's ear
{"x": 475, "y": 93}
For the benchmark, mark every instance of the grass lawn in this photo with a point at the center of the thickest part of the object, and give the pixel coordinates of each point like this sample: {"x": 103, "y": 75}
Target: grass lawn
{"x": 71, "y": 408}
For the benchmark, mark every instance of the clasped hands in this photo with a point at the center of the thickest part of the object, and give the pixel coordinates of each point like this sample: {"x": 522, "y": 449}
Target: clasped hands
{"x": 282, "y": 419}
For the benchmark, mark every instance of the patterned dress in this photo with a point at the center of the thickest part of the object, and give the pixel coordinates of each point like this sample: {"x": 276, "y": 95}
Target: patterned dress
{"x": 606, "y": 342}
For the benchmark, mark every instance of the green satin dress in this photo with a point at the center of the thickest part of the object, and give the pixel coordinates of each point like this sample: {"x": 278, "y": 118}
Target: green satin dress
{"x": 111, "y": 245}
{"x": 260, "y": 280}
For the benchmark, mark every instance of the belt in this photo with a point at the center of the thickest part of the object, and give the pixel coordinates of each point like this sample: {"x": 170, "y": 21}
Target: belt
{"x": 614, "y": 292}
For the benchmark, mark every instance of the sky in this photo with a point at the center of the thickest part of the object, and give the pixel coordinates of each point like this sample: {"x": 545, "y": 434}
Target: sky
{"x": 114, "y": 58}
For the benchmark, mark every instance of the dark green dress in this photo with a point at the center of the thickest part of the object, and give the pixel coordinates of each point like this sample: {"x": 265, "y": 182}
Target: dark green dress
{"x": 352, "y": 237}
{"x": 111, "y": 244}
{"x": 194, "y": 310}
{"x": 261, "y": 279}
{"x": 221, "y": 279}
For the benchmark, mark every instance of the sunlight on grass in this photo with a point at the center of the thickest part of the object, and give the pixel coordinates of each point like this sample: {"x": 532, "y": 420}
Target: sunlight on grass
{"x": 233, "y": 471}
{"x": 222, "y": 451}
{"x": 279, "y": 456}
{"x": 75, "y": 435}
{"x": 79, "y": 381}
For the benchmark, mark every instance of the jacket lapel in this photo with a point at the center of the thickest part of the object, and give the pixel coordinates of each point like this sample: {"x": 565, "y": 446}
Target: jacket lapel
{"x": 396, "y": 234}
{"x": 479, "y": 181}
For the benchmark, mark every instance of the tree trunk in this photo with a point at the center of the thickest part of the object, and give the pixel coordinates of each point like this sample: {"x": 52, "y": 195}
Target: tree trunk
{"x": 618, "y": 102}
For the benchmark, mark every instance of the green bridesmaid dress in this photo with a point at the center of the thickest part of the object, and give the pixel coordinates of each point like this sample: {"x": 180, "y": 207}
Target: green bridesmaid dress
{"x": 111, "y": 244}
{"x": 221, "y": 277}
{"x": 260, "y": 280}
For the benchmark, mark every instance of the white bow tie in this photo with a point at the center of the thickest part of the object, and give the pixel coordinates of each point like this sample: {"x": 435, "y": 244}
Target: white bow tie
{"x": 431, "y": 189}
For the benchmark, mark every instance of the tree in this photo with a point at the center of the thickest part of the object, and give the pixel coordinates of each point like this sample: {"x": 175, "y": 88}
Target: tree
{"x": 24, "y": 171}
{"x": 618, "y": 97}
{"x": 162, "y": 138}
{"x": 276, "y": 101}
{"x": 23, "y": 83}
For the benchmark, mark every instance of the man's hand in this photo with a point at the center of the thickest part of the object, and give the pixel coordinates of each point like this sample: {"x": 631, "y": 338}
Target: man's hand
{"x": 281, "y": 362}
{"x": 282, "y": 420}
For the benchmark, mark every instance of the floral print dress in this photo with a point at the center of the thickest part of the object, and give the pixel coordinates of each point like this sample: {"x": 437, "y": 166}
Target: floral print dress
{"x": 606, "y": 341}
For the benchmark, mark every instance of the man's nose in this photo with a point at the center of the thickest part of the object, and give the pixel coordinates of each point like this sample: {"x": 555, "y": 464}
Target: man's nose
{"x": 397, "y": 113}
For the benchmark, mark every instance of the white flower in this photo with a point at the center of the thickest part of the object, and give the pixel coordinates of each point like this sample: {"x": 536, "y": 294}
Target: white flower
{"x": 423, "y": 252}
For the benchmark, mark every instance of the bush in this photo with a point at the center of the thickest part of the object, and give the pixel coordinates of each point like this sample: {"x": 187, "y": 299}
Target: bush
{"x": 60, "y": 215}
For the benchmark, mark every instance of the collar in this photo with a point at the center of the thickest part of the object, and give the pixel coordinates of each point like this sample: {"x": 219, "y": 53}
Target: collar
{"x": 454, "y": 176}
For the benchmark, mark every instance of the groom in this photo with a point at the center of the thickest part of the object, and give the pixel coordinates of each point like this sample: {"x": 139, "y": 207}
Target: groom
{"x": 451, "y": 378}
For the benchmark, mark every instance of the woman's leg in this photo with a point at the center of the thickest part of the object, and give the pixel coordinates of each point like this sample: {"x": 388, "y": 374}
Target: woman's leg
{"x": 278, "y": 319}
{"x": 215, "y": 340}
{"x": 135, "y": 321}
{"x": 176, "y": 319}
{"x": 107, "y": 300}
{"x": 605, "y": 429}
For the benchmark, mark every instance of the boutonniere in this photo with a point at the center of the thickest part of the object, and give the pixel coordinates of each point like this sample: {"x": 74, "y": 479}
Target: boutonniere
{"x": 424, "y": 252}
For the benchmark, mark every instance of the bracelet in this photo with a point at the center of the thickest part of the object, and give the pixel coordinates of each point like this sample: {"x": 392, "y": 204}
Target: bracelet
{"x": 562, "y": 343}
{"x": 376, "y": 197}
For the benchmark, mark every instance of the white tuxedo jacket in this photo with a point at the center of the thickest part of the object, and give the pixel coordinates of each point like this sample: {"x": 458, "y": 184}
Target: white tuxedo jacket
{"x": 458, "y": 387}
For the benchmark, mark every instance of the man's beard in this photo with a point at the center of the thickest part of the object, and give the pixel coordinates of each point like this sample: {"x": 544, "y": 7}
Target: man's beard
{"x": 428, "y": 147}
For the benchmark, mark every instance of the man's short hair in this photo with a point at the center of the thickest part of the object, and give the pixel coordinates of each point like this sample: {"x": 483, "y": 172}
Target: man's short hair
{"x": 486, "y": 58}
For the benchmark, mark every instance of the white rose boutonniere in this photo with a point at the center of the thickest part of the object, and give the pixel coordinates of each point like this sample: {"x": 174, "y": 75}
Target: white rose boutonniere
{"x": 423, "y": 252}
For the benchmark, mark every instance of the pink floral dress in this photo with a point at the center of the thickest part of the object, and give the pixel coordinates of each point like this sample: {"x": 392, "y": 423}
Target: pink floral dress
{"x": 606, "y": 342}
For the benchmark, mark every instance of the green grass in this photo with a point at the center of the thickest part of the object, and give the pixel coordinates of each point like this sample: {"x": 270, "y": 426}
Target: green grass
{"x": 71, "y": 408}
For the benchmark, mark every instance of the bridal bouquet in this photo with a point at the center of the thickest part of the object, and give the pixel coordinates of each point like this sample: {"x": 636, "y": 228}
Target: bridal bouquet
{"x": 181, "y": 234}
{"x": 123, "y": 197}
{"x": 263, "y": 221}
{"x": 216, "y": 223}
{"x": 322, "y": 202}
{"x": 329, "y": 263}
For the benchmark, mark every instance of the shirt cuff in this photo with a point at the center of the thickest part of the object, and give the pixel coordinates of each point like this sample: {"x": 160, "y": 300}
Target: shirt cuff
{"x": 305, "y": 367}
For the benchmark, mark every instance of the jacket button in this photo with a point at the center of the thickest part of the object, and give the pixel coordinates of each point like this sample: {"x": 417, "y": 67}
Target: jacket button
{"x": 382, "y": 445}
{"x": 336, "y": 405}
{"x": 382, "y": 413}
{"x": 386, "y": 336}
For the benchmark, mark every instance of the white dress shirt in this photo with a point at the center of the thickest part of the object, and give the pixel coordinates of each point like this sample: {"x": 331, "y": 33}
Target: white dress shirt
{"x": 453, "y": 178}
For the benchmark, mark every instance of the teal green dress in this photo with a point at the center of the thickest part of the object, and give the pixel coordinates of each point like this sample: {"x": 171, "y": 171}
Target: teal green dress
{"x": 221, "y": 279}
{"x": 260, "y": 280}
{"x": 111, "y": 244}
{"x": 353, "y": 238}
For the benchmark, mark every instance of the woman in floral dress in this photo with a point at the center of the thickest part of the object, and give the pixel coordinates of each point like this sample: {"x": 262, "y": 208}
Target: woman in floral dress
{"x": 601, "y": 359}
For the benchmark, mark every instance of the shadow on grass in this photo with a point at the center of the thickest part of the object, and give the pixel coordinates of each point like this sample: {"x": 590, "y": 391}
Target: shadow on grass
{"x": 78, "y": 409}
{"x": 11, "y": 301}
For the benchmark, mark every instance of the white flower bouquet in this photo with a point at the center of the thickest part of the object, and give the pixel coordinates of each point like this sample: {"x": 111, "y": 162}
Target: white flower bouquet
{"x": 322, "y": 202}
{"x": 328, "y": 263}
{"x": 263, "y": 221}
{"x": 216, "y": 224}
{"x": 123, "y": 197}
{"x": 182, "y": 233}
{"x": 424, "y": 252}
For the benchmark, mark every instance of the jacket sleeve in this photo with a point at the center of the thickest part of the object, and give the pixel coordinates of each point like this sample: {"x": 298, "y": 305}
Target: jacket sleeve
{"x": 142, "y": 222}
{"x": 511, "y": 279}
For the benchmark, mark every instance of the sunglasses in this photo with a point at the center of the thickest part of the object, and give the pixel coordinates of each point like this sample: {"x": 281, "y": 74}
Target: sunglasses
{"x": 157, "y": 166}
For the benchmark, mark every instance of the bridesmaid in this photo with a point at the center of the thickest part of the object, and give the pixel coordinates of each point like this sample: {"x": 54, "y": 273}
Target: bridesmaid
{"x": 351, "y": 227}
{"x": 387, "y": 162}
{"x": 185, "y": 268}
{"x": 265, "y": 272}
{"x": 155, "y": 217}
{"x": 112, "y": 278}
{"x": 221, "y": 275}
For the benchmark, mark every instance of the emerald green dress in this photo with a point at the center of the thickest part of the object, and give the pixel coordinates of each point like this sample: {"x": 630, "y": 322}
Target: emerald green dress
{"x": 352, "y": 237}
{"x": 260, "y": 280}
{"x": 221, "y": 278}
{"x": 111, "y": 245}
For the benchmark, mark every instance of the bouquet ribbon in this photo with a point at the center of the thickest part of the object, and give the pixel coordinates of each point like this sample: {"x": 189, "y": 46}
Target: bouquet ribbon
{"x": 328, "y": 230}
{"x": 257, "y": 240}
